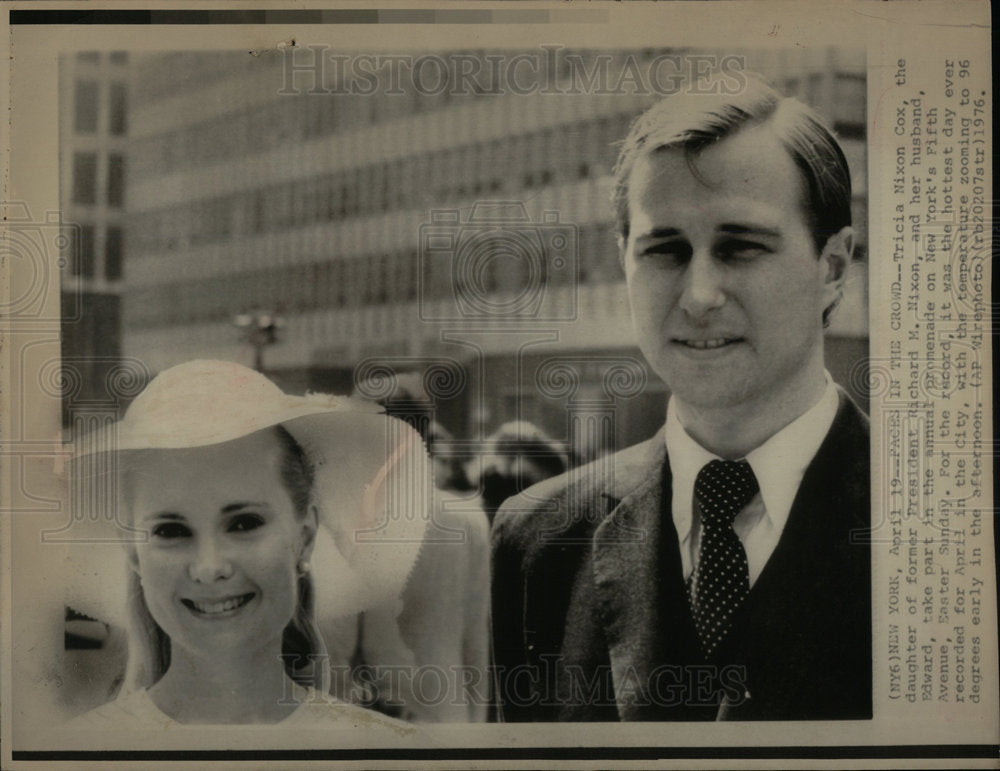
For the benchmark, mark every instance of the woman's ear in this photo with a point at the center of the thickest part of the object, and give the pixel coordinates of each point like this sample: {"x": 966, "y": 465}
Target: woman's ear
{"x": 308, "y": 532}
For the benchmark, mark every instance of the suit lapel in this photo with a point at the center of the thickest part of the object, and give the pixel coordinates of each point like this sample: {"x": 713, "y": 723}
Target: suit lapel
{"x": 626, "y": 572}
{"x": 796, "y": 575}
{"x": 817, "y": 517}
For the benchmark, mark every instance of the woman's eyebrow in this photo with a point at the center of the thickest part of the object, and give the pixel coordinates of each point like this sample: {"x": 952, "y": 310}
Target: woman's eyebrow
{"x": 172, "y": 516}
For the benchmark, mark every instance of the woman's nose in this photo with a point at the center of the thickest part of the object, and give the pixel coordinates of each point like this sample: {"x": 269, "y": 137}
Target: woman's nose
{"x": 209, "y": 563}
{"x": 703, "y": 285}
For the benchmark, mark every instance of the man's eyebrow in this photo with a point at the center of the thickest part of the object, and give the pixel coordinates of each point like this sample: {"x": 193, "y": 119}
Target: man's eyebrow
{"x": 230, "y": 508}
{"x": 659, "y": 233}
{"x": 735, "y": 229}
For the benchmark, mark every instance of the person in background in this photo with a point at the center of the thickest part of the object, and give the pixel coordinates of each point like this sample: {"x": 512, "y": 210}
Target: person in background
{"x": 516, "y": 456}
{"x": 426, "y": 657}
{"x": 449, "y": 470}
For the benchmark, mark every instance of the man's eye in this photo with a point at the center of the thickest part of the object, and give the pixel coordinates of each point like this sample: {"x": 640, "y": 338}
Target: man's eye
{"x": 742, "y": 250}
{"x": 244, "y": 523}
{"x": 171, "y": 530}
{"x": 668, "y": 252}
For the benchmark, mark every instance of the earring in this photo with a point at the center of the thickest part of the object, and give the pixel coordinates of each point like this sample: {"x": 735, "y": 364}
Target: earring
{"x": 304, "y": 567}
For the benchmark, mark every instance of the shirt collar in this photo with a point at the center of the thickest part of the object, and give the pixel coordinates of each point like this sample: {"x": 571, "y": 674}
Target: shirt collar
{"x": 779, "y": 464}
{"x": 686, "y": 458}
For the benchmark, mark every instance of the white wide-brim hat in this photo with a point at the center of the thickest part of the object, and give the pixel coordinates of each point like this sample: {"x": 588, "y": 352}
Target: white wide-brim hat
{"x": 372, "y": 482}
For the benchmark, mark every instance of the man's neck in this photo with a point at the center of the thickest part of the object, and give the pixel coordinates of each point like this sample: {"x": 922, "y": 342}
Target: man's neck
{"x": 732, "y": 432}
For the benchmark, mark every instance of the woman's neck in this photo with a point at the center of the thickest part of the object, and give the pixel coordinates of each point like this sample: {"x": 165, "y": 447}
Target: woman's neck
{"x": 250, "y": 689}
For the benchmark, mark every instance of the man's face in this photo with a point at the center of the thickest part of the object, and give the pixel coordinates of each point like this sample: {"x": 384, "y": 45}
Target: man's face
{"x": 726, "y": 288}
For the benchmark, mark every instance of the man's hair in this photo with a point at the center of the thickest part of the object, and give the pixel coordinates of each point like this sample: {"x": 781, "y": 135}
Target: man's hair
{"x": 695, "y": 118}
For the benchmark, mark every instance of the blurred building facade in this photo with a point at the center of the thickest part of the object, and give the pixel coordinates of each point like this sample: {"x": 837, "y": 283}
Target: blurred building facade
{"x": 354, "y": 219}
{"x": 93, "y": 141}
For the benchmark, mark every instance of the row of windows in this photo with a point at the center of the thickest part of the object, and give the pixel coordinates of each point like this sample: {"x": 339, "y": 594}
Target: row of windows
{"x": 391, "y": 85}
{"x": 514, "y": 164}
{"x": 291, "y": 118}
{"x": 118, "y": 58}
{"x": 373, "y": 280}
{"x": 81, "y": 251}
{"x": 87, "y": 102}
{"x": 285, "y": 120}
{"x": 85, "y": 179}
{"x": 160, "y": 75}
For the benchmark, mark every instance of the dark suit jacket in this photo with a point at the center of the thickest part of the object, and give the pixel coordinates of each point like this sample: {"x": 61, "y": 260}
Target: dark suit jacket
{"x": 591, "y": 617}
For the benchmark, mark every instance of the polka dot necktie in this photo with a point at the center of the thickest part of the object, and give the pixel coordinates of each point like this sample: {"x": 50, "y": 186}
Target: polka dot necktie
{"x": 722, "y": 578}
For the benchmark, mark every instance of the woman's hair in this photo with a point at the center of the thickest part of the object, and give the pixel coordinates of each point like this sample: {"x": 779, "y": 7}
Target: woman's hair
{"x": 302, "y": 649}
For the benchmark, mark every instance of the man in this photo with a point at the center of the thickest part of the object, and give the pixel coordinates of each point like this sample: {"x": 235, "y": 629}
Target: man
{"x": 719, "y": 570}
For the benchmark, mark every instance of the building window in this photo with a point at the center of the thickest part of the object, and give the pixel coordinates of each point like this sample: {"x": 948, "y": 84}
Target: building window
{"x": 118, "y": 122}
{"x": 119, "y": 57}
{"x": 814, "y": 89}
{"x": 86, "y": 251}
{"x": 338, "y": 280}
{"x": 72, "y": 249}
{"x": 377, "y": 280}
{"x": 85, "y": 121}
{"x": 849, "y": 99}
{"x": 113, "y": 254}
{"x": 88, "y": 57}
{"x": 116, "y": 180}
{"x": 84, "y": 178}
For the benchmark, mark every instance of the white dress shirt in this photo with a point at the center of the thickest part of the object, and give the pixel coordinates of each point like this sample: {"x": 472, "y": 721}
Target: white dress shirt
{"x": 779, "y": 465}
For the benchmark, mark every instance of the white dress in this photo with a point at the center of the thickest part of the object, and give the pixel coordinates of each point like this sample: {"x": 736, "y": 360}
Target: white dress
{"x": 135, "y": 710}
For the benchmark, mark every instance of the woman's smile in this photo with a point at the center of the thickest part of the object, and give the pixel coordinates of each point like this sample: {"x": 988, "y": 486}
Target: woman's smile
{"x": 218, "y": 609}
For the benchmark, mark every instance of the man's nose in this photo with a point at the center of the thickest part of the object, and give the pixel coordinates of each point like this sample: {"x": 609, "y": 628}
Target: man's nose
{"x": 209, "y": 562}
{"x": 703, "y": 285}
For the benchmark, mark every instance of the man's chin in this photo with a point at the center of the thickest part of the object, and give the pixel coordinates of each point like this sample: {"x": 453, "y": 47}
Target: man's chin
{"x": 701, "y": 370}
{"x": 706, "y": 400}
{"x": 719, "y": 389}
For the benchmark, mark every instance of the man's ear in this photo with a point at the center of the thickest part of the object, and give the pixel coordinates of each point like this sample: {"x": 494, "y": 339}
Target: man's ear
{"x": 309, "y": 525}
{"x": 833, "y": 263}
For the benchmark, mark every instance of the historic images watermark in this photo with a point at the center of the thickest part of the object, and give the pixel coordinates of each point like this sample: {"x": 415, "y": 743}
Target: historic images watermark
{"x": 550, "y": 70}
{"x": 548, "y": 683}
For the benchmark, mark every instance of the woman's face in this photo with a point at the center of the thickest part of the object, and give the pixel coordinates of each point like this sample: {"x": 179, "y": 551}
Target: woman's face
{"x": 219, "y": 570}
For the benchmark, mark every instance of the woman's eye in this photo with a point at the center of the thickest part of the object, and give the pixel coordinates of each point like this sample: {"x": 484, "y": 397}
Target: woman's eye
{"x": 171, "y": 530}
{"x": 244, "y": 523}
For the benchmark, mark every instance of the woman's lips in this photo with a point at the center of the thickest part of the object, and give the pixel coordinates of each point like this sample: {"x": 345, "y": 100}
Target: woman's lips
{"x": 218, "y": 607}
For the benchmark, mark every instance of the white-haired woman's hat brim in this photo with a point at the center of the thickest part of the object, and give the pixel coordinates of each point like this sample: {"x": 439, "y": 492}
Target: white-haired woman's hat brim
{"x": 372, "y": 480}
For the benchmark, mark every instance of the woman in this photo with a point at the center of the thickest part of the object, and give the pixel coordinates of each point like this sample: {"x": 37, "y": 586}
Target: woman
{"x": 233, "y": 491}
